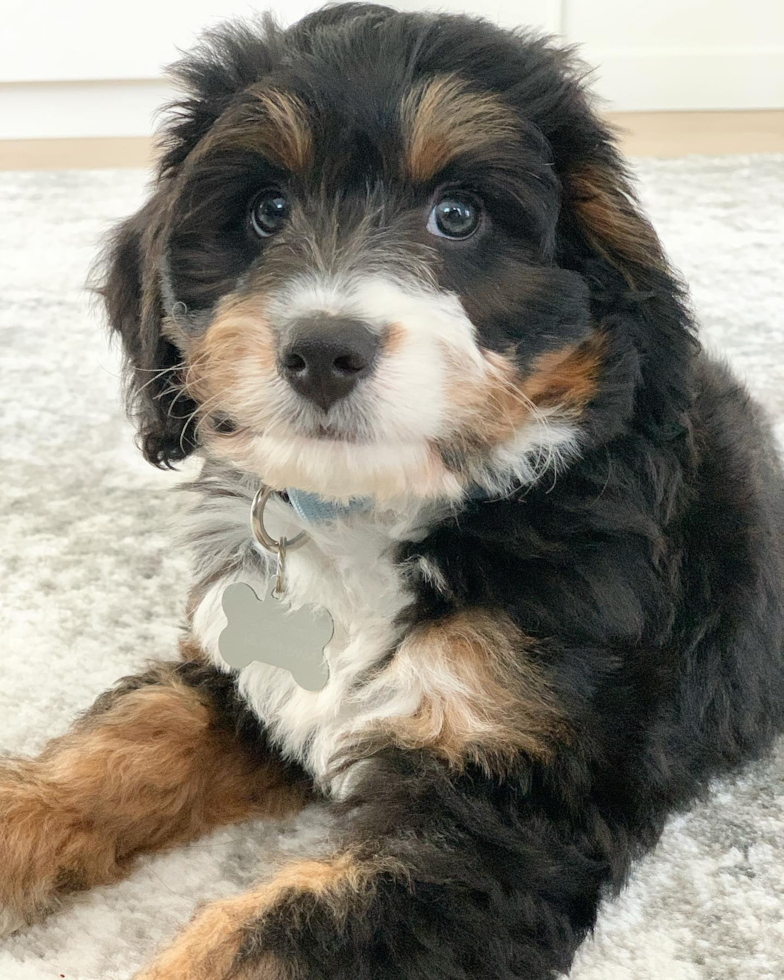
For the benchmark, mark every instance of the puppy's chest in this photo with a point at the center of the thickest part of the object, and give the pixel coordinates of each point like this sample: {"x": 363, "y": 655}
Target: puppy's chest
{"x": 352, "y": 573}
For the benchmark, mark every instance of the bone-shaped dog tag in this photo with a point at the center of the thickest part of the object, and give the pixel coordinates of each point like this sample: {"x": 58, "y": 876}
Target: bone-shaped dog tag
{"x": 266, "y": 631}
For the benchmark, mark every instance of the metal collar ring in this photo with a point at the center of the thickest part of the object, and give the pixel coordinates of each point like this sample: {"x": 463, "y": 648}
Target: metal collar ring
{"x": 260, "y": 532}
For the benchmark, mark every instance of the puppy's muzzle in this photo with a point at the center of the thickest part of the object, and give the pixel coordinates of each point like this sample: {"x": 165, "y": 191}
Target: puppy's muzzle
{"x": 324, "y": 358}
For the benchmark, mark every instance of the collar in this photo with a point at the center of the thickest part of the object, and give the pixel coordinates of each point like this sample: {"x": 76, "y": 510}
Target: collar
{"x": 313, "y": 509}
{"x": 316, "y": 510}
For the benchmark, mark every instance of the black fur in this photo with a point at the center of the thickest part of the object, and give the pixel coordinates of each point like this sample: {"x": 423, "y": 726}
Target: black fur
{"x": 649, "y": 573}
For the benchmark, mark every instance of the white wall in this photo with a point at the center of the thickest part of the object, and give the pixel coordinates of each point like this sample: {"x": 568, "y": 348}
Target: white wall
{"x": 682, "y": 54}
{"x": 93, "y": 67}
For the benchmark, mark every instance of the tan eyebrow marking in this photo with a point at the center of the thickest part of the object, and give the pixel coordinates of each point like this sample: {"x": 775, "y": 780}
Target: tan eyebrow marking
{"x": 442, "y": 119}
{"x": 288, "y": 118}
{"x": 274, "y": 123}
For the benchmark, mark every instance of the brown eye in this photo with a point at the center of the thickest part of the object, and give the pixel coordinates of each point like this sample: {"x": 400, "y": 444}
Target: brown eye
{"x": 454, "y": 217}
{"x": 268, "y": 212}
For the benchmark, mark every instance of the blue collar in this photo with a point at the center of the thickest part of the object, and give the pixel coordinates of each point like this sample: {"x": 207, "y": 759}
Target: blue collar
{"x": 317, "y": 510}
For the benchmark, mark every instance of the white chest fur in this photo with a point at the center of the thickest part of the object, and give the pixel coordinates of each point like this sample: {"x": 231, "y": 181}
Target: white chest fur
{"x": 347, "y": 568}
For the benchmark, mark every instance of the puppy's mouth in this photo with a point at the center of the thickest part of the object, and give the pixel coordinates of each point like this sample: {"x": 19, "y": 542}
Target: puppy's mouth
{"x": 326, "y": 430}
{"x": 332, "y": 433}
{"x": 339, "y": 456}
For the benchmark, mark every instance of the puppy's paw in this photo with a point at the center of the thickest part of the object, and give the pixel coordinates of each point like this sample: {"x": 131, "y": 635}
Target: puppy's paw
{"x": 209, "y": 948}
{"x": 10, "y": 921}
{"x": 44, "y": 851}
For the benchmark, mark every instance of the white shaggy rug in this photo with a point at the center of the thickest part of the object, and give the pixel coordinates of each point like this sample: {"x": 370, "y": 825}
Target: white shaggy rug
{"x": 90, "y": 588}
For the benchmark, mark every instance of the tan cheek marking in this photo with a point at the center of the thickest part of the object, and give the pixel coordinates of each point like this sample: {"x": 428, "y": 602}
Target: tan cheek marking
{"x": 484, "y": 700}
{"x": 489, "y": 407}
{"x": 492, "y": 407}
{"x": 208, "y": 948}
{"x": 239, "y": 344}
{"x": 442, "y": 119}
{"x": 568, "y": 377}
{"x": 146, "y": 769}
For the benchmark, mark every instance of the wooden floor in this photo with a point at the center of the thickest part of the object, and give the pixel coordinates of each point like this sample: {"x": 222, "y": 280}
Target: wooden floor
{"x": 676, "y": 134}
{"x": 658, "y": 134}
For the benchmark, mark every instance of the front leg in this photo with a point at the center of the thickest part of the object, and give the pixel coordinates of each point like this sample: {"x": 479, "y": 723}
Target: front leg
{"x": 155, "y": 762}
{"x": 432, "y": 876}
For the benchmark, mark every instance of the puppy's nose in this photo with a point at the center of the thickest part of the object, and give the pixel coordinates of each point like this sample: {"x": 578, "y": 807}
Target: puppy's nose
{"x": 325, "y": 358}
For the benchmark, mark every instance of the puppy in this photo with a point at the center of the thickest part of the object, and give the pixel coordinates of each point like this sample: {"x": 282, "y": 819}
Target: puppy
{"x": 392, "y": 270}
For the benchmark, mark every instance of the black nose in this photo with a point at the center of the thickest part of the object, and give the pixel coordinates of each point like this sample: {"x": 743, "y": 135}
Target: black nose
{"x": 325, "y": 358}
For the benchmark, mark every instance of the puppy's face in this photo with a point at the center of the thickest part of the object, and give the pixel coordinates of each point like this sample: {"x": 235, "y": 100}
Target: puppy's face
{"x": 357, "y": 266}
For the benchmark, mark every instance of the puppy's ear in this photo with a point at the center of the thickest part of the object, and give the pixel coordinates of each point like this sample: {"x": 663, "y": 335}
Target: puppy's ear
{"x": 129, "y": 285}
{"x": 605, "y": 235}
{"x": 609, "y": 220}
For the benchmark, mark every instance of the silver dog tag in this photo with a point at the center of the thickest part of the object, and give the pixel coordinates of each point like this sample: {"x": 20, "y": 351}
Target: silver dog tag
{"x": 265, "y": 630}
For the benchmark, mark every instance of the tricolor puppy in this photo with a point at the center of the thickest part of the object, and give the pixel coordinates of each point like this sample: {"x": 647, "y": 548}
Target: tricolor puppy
{"x": 393, "y": 269}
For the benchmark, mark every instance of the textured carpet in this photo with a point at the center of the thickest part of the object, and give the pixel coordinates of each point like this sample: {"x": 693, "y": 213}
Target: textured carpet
{"x": 90, "y": 588}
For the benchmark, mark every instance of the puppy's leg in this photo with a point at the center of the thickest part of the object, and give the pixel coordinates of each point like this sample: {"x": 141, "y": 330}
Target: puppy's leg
{"x": 157, "y": 761}
{"x": 434, "y": 877}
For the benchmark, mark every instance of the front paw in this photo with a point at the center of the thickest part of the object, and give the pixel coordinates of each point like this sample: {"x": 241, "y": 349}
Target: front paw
{"x": 226, "y": 939}
{"x": 210, "y": 947}
{"x": 45, "y": 851}
{"x": 11, "y": 921}
{"x": 26, "y": 888}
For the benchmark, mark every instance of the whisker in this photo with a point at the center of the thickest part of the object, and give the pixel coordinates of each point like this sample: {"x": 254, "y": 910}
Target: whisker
{"x": 159, "y": 373}
{"x": 203, "y": 410}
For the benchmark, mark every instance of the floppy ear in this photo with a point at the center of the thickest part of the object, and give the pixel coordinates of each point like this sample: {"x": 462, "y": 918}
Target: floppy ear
{"x": 611, "y": 221}
{"x": 228, "y": 60}
{"x": 131, "y": 292}
{"x": 605, "y": 235}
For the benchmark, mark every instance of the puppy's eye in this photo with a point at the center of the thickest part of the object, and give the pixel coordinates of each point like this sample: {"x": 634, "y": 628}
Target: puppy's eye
{"x": 454, "y": 217}
{"x": 268, "y": 212}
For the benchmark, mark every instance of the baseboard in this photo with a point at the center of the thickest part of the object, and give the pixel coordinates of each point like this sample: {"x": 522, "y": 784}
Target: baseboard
{"x": 677, "y": 134}
{"x": 658, "y": 134}
{"x": 76, "y": 154}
